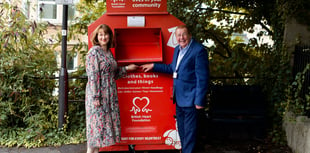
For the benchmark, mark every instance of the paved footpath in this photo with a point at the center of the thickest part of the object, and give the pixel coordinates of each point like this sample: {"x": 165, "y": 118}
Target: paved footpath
{"x": 79, "y": 148}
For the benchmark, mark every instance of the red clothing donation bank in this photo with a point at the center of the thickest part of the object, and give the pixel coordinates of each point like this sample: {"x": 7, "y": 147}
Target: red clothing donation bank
{"x": 144, "y": 32}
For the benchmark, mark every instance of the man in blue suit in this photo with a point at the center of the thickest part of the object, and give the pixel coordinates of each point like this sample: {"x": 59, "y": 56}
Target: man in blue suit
{"x": 190, "y": 71}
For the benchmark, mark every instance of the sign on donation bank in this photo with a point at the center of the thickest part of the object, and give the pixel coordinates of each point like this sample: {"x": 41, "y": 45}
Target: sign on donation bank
{"x": 148, "y": 115}
{"x": 147, "y": 6}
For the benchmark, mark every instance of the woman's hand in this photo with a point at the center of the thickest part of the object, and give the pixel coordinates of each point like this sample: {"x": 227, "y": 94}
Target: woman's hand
{"x": 132, "y": 67}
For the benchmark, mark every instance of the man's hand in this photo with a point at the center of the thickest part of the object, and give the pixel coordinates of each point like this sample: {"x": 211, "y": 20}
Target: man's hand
{"x": 199, "y": 107}
{"x": 147, "y": 67}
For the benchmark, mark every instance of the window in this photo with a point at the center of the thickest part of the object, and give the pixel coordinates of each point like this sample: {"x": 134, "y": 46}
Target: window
{"x": 71, "y": 63}
{"x": 47, "y": 9}
{"x": 25, "y": 8}
{"x": 2, "y": 1}
{"x": 71, "y": 12}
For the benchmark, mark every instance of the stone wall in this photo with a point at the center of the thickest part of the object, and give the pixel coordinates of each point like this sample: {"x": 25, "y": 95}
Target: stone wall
{"x": 297, "y": 133}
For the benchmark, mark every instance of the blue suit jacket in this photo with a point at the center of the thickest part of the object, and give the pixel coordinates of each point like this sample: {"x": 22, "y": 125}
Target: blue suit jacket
{"x": 191, "y": 84}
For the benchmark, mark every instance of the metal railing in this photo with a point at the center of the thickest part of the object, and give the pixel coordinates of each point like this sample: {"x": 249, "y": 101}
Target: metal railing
{"x": 301, "y": 59}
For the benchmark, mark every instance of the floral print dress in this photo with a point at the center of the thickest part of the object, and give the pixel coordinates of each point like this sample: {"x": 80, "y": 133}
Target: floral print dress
{"x": 102, "y": 122}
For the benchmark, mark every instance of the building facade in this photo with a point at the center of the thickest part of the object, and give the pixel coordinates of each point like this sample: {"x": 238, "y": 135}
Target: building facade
{"x": 52, "y": 12}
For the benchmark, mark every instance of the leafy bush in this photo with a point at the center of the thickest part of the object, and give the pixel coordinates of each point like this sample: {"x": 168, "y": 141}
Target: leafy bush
{"x": 29, "y": 111}
{"x": 298, "y": 102}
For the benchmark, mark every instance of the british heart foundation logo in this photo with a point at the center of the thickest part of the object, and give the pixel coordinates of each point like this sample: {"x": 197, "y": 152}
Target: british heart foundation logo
{"x": 140, "y": 105}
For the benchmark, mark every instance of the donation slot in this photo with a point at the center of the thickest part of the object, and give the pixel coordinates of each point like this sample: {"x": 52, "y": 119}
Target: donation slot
{"x": 138, "y": 45}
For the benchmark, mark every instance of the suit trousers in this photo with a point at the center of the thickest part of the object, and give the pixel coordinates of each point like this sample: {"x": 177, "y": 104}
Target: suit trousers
{"x": 187, "y": 127}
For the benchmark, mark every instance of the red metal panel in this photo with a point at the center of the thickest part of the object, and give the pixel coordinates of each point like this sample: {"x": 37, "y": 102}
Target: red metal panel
{"x": 138, "y": 147}
{"x": 146, "y": 109}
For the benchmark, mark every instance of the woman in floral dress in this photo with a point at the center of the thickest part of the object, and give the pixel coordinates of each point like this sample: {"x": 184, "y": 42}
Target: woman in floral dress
{"x": 101, "y": 102}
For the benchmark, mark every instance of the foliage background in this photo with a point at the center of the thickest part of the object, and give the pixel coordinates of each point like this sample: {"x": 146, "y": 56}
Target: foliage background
{"x": 262, "y": 64}
{"x": 29, "y": 109}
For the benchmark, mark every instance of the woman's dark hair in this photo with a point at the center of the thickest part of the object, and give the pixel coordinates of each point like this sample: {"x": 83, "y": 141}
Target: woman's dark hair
{"x": 106, "y": 29}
